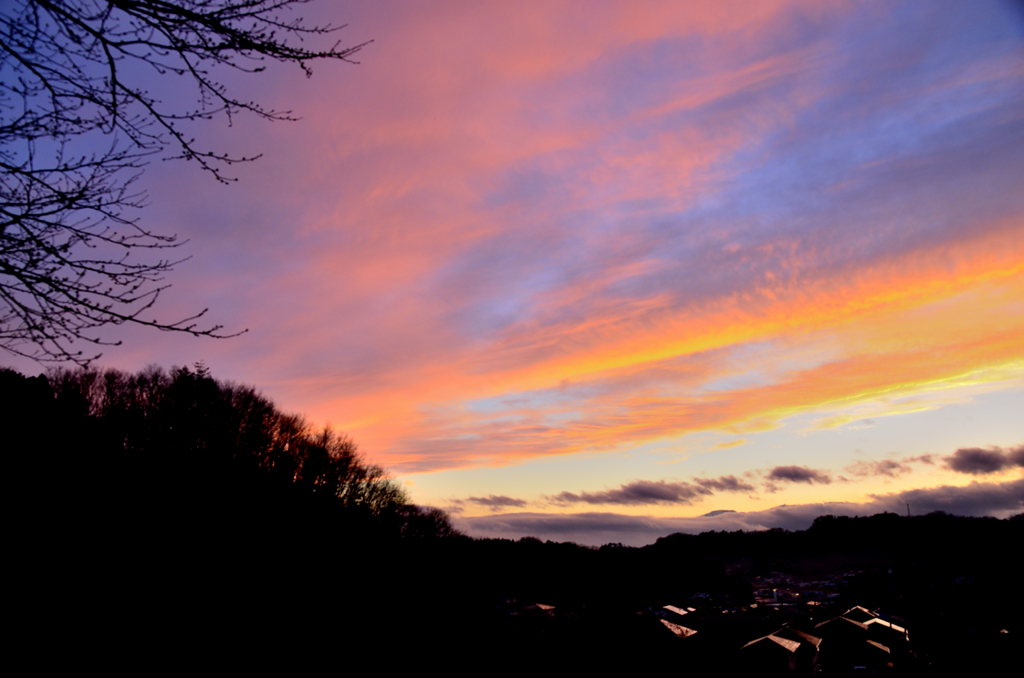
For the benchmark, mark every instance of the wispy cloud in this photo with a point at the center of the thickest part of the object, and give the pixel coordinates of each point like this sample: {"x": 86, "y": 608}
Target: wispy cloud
{"x": 886, "y": 467}
{"x": 640, "y": 492}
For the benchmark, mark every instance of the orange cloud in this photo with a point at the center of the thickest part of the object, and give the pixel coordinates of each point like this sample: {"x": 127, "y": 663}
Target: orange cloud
{"x": 937, "y": 332}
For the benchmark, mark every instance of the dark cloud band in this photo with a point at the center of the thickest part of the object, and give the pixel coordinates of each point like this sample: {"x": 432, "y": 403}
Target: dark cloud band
{"x": 497, "y": 501}
{"x": 977, "y": 461}
{"x": 977, "y": 499}
{"x": 650, "y": 492}
{"x": 798, "y": 474}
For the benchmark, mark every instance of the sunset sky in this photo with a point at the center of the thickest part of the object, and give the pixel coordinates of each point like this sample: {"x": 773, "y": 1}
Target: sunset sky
{"x": 592, "y": 270}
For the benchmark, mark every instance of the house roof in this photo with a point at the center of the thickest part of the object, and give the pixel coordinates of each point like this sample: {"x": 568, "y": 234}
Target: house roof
{"x": 680, "y": 631}
{"x": 858, "y": 613}
{"x": 842, "y": 622}
{"x": 789, "y": 645}
{"x": 798, "y": 636}
{"x": 882, "y": 622}
{"x": 879, "y": 646}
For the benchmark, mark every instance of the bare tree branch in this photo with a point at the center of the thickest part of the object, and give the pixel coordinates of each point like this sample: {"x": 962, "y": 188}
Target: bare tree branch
{"x": 72, "y": 76}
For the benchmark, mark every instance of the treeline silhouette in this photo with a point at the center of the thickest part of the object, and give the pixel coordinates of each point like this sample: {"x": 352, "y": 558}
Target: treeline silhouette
{"x": 183, "y": 443}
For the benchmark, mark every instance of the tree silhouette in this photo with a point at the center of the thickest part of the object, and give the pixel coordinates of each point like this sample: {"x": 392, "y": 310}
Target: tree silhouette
{"x": 77, "y": 126}
{"x": 163, "y": 434}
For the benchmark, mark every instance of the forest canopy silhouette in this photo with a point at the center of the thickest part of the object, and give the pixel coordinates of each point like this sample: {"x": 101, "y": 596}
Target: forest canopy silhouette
{"x": 185, "y": 443}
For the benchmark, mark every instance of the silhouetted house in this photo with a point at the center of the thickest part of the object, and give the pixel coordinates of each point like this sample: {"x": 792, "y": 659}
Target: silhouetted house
{"x": 895, "y": 638}
{"x": 842, "y": 630}
{"x": 860, "y": 638}
{"x": 845, "y": 644}
{"x": 773, "y": 654}
{"x": 769, "y": 655}
{"x": 787, "y": 651}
